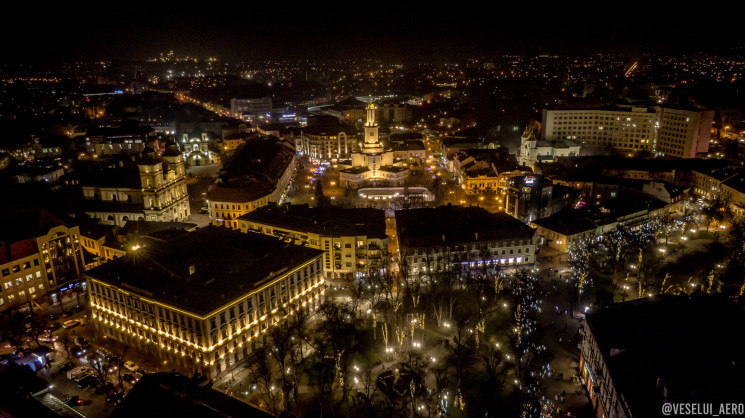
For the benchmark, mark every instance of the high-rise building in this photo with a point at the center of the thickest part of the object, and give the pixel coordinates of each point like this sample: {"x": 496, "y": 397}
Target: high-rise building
{"x": 663, "y": 131}
{"x": 684, "y": 133}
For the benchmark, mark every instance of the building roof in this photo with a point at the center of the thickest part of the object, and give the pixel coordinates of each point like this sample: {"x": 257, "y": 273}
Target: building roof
{"x": 226, "y": 264}
{"x": 330, "y": 221}
{"x": 736, "y": 182}
{"x": 566, "y": 222}
{"x": 121, "y": 177}
{"x": 175, "y": 395}
{"x": 243, "y": 192}
{"x": 447, "y": 225}
{"x": 18, "y": 225}
{"x": 686, "y": 345}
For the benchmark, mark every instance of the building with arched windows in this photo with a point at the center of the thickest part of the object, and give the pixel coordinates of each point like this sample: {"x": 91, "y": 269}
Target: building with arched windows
{"x": 373, "y": 164}
{"x": 197, "y": 150}
{"x": 152, "y": 188}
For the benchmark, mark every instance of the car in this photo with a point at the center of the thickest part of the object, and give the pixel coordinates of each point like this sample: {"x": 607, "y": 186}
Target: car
{"x": 47, "y": 338}
{"x": 66, "y": 313}
{"x": 53, "y": 326}
{"x": 129, "y": 379}
{"x": 78, "y": 308}
{"x": 53, "y": 316}
{"x": 204, "y": 211}
{"x": 71, "y": 324}
{"x": 82, "y": 383}
{"x": 131, "y": 366}
{"x": 65, "y": 367}
{"x": 78, "y": 351}
{"x": 81, "y": 342}
{"x": 73, "y": 400}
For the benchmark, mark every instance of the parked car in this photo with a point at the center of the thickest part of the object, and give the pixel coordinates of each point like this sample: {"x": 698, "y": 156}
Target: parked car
{"x": 73, "y": 400}
{"x": 47, "y": 338}
{"x": 71, "y": 324}
{"x": 82, "y": 383}
{"x": 53, "y": 326}
{"x": 81, "y": 342}
{"x": 204, "y": 210}
{"x": 130, "y": 379}
{"x": 131, "y": 366}
{"x": 66, "y": 366}
{"x": 66, "y": 313}
{"x": 78, "y": 351}
{"x": 53, "y": 316}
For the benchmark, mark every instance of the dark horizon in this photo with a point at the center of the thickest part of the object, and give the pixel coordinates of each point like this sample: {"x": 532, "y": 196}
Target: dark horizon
{"x": 402, "y": 34}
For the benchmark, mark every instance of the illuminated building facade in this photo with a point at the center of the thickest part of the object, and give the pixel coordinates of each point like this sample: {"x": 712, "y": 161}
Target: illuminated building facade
{"x": 682, "y": 133}
{"x": 533, "y": 151}
{"x": 629, "y": 130}
{"x": 460, "y": 238}
{"x": 259, "y": 173}
{"x": 373, "y": 164}
{"x": 197, "y": 150}
{"x": 39, "y": 254}
{"x": 353, "y": 241}
{"x": 325, "y": 139}
{"x": 154, "y": 190}
{"x": 209, "y": 297}
{"x": 529, "y": 197}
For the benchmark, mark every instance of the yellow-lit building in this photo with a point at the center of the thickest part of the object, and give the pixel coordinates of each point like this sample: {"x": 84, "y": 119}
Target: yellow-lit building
{"x": 258, "y": 174}
{"x": 39, "y": 254}
{"x": 207, "y": 299}
{"x": 353, "y": 241}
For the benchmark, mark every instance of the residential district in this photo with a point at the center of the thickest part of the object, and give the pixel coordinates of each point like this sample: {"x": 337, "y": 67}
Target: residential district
{"x": 517, "y": 235}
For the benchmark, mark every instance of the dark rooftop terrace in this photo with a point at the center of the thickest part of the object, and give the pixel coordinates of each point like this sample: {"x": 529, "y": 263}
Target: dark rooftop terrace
{"x": 689, "y": 345}
{"x": 331, "y": 221}
{"x": 447, "y": 225}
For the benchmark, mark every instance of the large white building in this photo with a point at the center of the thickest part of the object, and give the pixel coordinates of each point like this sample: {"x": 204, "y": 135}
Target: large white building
{"x": 533, "y": 151}
{"x": 661, "y": 131}
{"x": 373, "y": 163}
{"x": 197, "y": 151}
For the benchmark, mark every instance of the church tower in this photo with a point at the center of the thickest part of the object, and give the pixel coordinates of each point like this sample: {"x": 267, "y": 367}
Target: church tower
{"x": 371, "y": 126}
{"x": 372, "y": 143}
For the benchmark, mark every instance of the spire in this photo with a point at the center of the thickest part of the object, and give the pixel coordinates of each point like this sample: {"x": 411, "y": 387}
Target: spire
{"x": 371, "y": 114}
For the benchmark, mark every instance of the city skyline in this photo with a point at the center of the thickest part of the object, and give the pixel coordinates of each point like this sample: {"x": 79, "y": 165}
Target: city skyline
{"x": 404, "y": 33}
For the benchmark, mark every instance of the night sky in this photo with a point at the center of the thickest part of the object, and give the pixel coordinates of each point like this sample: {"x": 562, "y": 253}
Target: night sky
{"x": 390, "y": 31}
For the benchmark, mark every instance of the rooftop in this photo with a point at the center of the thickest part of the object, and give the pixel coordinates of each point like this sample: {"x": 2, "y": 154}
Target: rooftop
{"x": 686, "y": 345}
{"x": 446, "y": 225}
{"x": 175, "y": 395}
{"x": 225, "y": 265}
{"x": 566, "y": 222}
{"x": 331, "y": 221}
